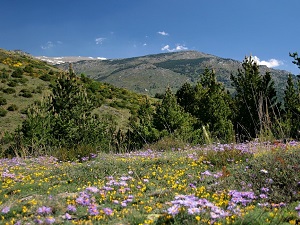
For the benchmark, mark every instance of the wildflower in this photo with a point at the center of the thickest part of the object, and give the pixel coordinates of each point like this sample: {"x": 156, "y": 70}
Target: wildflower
{"x": 194, "y": 210}
{"x": 71, "y": 208}
{"x": 173, "y": 210}
{"x": 263, "y": 196}
{"x": 264, "y": 189}
{"x": 264, "y": 171}
{"x": 5, "y": 209}
{"x": 68, "y": 216}
{"x": 44, "y": 210}
{"x": 92, "y": 189}
{"x": 93, "y": 211}
{"x": 108, "y": 211}
{"x": 49, "y": 220}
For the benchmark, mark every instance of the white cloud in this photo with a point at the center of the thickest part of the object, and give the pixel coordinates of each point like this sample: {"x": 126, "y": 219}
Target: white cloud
{"x": 270, "y": 63}
{"x": 145, "y": 44}
{"x": 178, "y": 48}
{"x": 163, "y": 33}
{"x": 99, "y": 41}
{"x": 48, "y": 45}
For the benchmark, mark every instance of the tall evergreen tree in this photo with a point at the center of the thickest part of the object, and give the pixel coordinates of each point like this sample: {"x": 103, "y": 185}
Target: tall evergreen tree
{"x": 64, "y": 118}
{"x": 255, "y": 100}
{"x": 170, "y": 116}
{"x": 292, "y": 107}
{"x": 214, "y": 109}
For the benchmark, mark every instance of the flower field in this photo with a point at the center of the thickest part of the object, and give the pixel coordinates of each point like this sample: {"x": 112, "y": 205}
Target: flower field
{"x": 251, "y": 183}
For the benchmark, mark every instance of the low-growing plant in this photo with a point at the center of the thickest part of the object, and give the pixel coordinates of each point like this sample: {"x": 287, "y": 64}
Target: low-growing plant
{"x": 3, "y": 112}
{"x": 275, "y": 173}
{"x": 9, "y": 90}
{"x": 12, "y": 107}
{"x": 25, "y": 93}
{"x": 3, "y": 101}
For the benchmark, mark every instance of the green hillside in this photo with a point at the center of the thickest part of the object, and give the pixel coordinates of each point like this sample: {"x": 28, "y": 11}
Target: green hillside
{"x": 151, "y": 74}
{"x": 24, "y": 79}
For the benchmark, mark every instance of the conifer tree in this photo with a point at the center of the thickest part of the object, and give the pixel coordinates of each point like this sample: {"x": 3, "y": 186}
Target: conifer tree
{"x": 170, "y": 116}
{"x": 64, "y": 118}
{"x": 292, "y": 107}
{"x": 255, "y": 100}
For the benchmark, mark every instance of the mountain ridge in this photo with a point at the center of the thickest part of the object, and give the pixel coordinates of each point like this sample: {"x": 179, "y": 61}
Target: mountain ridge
{"x": 151, "y": 74}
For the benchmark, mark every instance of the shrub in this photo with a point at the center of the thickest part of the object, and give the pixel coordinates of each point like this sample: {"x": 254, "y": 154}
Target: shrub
{"x": 9, "y": 90}
{"x": 45, "y": 77}
{"x": 12, "y": 83}
{"x": 3, "y": 101}
{"x": 17, "y": 73}
{"x": 3, "y": 112}
{"x": 25, "y": 93}
{"x": 12, "y": 107}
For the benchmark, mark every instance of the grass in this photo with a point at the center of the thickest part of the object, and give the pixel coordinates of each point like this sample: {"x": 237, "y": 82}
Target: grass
{"x": 190, "y": 185}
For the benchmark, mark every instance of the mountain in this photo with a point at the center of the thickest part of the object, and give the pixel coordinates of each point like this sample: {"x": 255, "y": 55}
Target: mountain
{"x": 151, "y": 74}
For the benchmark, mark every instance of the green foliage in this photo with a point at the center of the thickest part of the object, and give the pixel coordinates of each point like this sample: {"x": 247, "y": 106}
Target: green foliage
{"x": 142, "y": 130}
{"x": 255, "y": 100}
{"x": 170, "y": 116}
{"x": 45, "y": 77}
{"x": 64, "y": 119}
{"x": 210, "y": 104}
{"x": 12, "y": 107}
{"x": 12, "y": 83}
{"x": 277, "y": 170}
{"x": 3, "y": 101}
{"x": 292, "y": 107}
{"x": 9, "y": 90}
{"x": 18, "y": 73}
{"x": 26, "y": 93}
{"x": 3, "y": 112}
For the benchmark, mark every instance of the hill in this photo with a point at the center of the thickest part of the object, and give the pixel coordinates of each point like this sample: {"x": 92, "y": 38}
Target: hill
{"x": 25, "y": 79}
{"x": 151, "y": 74}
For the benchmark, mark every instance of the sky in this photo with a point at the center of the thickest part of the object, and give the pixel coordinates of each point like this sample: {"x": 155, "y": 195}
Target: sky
{"x": 265, "y": 29}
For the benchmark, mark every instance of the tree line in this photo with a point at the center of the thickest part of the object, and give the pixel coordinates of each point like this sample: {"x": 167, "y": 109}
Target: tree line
{"x": 201, "y": 113}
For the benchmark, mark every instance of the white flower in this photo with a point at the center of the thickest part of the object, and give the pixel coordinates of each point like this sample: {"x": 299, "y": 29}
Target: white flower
{"x": 264, "y": 171}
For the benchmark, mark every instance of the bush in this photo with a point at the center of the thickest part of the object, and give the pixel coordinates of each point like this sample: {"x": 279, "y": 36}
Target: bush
{"x": 25, "y": 93}
{"x": 3, "y": 101}
{"x": 12, "y": 107}
{"x": 45, "y": 77}
{"x": 17, "y": 73}
{"x": 3, "y": 112}
{"x": 9, "y": 90}
{"x": 12, "y": 83}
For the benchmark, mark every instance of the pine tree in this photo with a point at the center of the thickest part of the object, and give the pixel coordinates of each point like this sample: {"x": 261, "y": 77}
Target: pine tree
{"x": 292, "y": 107}
{"x": 213, "y": 107}
{"x": 64, "y": 118}
{"x": 170, "y": 116}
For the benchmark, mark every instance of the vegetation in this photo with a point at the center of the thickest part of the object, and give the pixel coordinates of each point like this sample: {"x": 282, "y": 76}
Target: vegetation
{"x": 219, "y": 184}
{"x": 88, "y": 152}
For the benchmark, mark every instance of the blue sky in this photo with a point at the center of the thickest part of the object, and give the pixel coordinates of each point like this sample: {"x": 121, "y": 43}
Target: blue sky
{"x": 266, "y": 29}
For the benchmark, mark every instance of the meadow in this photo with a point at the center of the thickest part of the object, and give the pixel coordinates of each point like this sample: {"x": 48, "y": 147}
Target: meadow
{"x": 249, "y": 183}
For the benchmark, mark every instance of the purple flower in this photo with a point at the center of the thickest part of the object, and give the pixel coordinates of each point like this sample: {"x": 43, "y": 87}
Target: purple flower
{"x": 68, "y": 216}
{"x": 44, "y": 210}
{"x": 263, "y": 196}
{"x": 49, "y": 220}
{"x": 71, "y": 208}
{"x": 173, "y": 210}
{"x": 93, "y": 211}
{"x": 92, "y": 189}
{"x": 5, "y": 209}
{"x": 194, "y": 210}
{"x": 265, "y": 189}
{"x": 108, "y": 211}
